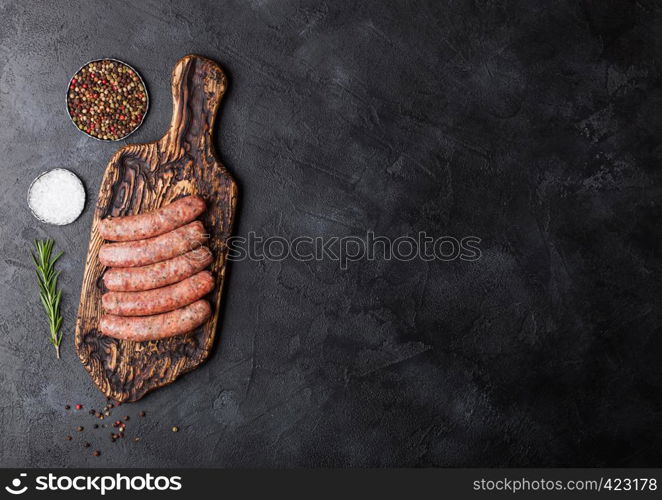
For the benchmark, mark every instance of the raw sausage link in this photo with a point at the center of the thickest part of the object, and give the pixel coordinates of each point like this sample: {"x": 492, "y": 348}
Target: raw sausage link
{"x": 167, "y": 272}
{"x": 148, "y": 225}
{"x": 159, "y": 300}
{"x": 144, "y": 252}
{"x": 159, "y": 326}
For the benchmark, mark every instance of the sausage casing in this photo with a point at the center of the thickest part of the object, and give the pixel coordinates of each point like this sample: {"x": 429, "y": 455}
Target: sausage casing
{"x": 159, "y": 300}
{"x": 156, "y": 249}
{"x": 159, "y": 274}
{"x": 159, "y": 326}
{"x": 150, "y": 224}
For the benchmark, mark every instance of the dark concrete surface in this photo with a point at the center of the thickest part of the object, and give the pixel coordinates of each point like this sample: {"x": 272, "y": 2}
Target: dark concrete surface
{"x": 535, "y": 126}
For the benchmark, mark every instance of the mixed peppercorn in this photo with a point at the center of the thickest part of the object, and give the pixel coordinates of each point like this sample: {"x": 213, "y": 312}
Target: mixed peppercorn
{"x": 107, "y": 99}
{"x": 119, "y": 426}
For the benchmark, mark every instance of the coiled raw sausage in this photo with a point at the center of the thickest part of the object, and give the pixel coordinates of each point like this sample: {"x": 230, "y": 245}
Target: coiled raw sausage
{"x": 166, "y": 272}
{"x": 150, "y": 224}
{"x": 159, "y": 326}
{"x": 156, "y": 249}
{"x": 159, "y": 300}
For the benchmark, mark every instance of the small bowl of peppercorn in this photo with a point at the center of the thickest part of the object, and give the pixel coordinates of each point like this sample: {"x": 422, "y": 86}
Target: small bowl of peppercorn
{"x": 107, "y": 99}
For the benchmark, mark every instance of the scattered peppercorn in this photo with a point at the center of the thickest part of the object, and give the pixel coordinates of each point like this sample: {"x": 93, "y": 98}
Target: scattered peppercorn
{"x": 69, "y": 438}
{"x": 80, "y": 428}
{"x": 96, "y": 426}
{"x": 175, "y": 429}
{"x": 87, "y": 445}
{"x": 107, "y": 100}
{"x": 79, "y": 407}
{"x": 92, "y": 412}
{"x": 142, "y": 414}
{"x": 126, "y": 418}
{"x": 96, "y": 453}
{"x": 67, "y": 407}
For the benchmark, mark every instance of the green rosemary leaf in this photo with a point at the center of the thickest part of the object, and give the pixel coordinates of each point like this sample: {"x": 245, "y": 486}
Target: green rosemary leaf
{"x": 49, "y": 295}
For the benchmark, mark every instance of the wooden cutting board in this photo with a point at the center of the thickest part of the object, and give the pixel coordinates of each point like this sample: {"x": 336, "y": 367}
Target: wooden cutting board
{"x": 140, "y": 178}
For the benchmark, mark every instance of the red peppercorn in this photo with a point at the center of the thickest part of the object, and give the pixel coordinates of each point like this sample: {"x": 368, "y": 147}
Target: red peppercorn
{"x": 79, "y": 407}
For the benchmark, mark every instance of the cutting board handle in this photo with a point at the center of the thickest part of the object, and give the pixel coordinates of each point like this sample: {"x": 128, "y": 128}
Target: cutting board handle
{"x": 198, "y": 84}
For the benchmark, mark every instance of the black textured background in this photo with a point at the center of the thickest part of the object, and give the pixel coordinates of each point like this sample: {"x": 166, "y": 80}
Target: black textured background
{"x": 533, "y": 125}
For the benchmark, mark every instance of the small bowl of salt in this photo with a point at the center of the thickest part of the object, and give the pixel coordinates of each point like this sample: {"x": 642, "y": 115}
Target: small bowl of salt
{"x": 56, "y": 197}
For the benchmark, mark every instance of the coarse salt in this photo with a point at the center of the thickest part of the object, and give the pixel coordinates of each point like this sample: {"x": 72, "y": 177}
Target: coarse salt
{"x": 56, "y": 197}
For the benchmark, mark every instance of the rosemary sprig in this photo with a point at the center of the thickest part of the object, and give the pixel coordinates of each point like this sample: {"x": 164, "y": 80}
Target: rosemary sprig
{"x": 48, "y": 293}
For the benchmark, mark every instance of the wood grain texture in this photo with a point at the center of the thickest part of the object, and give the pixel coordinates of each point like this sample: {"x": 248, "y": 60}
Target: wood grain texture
{"x": 143, "y": 177}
